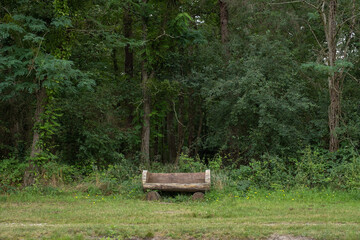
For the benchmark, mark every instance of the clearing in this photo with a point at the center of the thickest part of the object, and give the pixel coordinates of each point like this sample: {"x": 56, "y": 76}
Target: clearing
{"x": 266, "y": 215}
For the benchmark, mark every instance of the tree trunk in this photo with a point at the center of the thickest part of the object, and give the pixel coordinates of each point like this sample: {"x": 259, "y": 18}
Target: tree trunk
{"x": 115, "y": 63}
{"x": 29, "y": 176}
{"x": 145, "y": 136}
{"x": 191, "y": 124}
{"x": 224, "y": 20}
{"x": 156, "y": 143}
{"x": 145, "y": 139}
{"x": 180, "y": 141}
{"x": 170, "y": 136}
{"x": 334, "y": 79}
{"x": 129, "y": 56}
{"x": 15, "y": 118}
{"x": 198, "y": 138}
{"x": 334, "y": 112}
{"x": 163, "y": 143}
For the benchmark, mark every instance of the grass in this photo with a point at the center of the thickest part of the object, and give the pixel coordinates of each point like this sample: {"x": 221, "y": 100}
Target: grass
{"x": 255, "y": 215}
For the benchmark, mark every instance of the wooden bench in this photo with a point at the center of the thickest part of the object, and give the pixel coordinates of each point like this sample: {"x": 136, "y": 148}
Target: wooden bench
{"x": 176, "y": 182}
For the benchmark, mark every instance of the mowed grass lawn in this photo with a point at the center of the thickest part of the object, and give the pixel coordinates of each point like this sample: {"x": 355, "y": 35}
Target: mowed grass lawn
{"x": 257, "y": 215}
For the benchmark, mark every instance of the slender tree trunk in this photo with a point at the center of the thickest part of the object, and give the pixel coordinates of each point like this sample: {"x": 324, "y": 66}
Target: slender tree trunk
{"x": 191, "y": 124}
{"x": 156, "y": 142}
{"x": 180, "y": 141}
{"x": 29, "y": 176}
{"x": 15, "y": 118}
{"x": 334, "y": 79}
{"x": 129, "y": 56}
{"x": 115, "y": 63}
{"x": 199, "y": 132}
{"x": 164, "y": 154}
{"x": 171, "y": 136}
{"x": 145, "y": 137}
{"x": 334, "y": 112}
{"x": 224, "y": 20}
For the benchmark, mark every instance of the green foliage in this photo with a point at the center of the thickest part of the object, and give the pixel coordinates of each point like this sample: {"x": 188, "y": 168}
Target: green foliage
{"x": 11, "y": 174}
{"x": 329, "y": 70}
{"x": 61, "y": 22}
{"x": 189, "y": 164}
{"x": 315, "y": 168}
{"x": 257, "y": 106}
{"x": 311, "y": 169}
{"x": 345, "y": 174}
{"x": 254, "y": 110}
{"x": 216, "y": 163}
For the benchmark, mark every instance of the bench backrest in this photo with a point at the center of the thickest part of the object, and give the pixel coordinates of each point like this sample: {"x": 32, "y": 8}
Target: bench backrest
{"x": 176, "y": 177}
{"x": 180, "y": 178}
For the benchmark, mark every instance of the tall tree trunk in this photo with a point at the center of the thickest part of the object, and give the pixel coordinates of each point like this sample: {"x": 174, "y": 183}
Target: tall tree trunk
{"x": 328, "y": 12}
{"x": 156, "y": 143}
{"x": 163, "y": 152}
{"x": 15, "y": 118}
{"x": 170, "y": 136}
{"x": 115, "y": 63}
{"x": 198, "y": 138}
{"x": 180, "y": 141}
{"x": 224, "y": 20}
{"x": 334, "y": 79}
{"x": 129, "y": 56}
{"x": 29, "y": 176}
{"x": 191, "y": 123}
{"x": 334, "y": 112}
{"x": 145, "y": 136}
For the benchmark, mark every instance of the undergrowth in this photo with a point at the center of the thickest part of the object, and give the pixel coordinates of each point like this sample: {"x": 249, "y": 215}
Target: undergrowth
{"x": 314, "y": 169}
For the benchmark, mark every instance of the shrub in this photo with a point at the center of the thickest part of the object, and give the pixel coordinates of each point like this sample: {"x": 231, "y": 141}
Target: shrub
{"x": 189, "y": 164}
{"x": 314, "y": 168}
{"x": 11, "y": 174}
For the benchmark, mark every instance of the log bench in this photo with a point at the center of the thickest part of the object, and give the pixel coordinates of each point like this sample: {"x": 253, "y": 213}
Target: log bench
{"x": 176, "y": 182}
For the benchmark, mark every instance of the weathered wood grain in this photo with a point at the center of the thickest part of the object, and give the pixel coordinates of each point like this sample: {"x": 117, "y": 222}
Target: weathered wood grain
{"x": 176, "y": 178}
{"x": 207, "y": 176}
{"x": 181, "y": 182}
{"x": 144, "y": 176}
{"x": 177, "y": 187}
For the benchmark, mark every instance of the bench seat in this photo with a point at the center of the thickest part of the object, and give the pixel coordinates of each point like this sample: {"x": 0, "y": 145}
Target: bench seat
{"x": 176, "y": 182}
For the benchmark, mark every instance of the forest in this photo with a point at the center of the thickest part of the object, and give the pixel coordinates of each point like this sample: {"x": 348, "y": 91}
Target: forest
{"x": 263, "y": 92}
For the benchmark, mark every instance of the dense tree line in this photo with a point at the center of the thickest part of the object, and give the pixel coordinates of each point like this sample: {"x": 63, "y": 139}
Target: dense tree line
{"x": 86, "y": 83}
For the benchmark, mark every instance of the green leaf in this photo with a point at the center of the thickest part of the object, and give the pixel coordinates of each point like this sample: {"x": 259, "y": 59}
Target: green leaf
{"x": 34, "y": 24}
{"x": 7, "y": 28}
{"x": 61, "y": 22}
{"x": 33, "y": 38}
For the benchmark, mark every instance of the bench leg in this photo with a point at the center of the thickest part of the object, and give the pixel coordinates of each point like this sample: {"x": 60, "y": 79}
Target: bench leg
{"x": 153, "y": 196}
{"x": 197, "y": 196}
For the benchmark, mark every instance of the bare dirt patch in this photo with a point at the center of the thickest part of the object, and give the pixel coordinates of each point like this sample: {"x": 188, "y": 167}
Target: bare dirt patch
{"x": 287, "y": 237}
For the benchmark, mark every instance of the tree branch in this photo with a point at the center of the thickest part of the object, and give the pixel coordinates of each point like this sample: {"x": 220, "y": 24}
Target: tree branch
{"x": 310, "y": 4}
{"x": 289, "y": 2}
{"x": 313, "y": 33}
{"x": 353, "y": 77}
{"x": 162, "y": 35}
{"x": 177, "y": 119}
{"x": 295, "y": 1}
{"x": 7, "y": 11}
{"x": 351, "y": 32}
{"x": 37, "y": 54}
{"x": 323, "y": 17}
